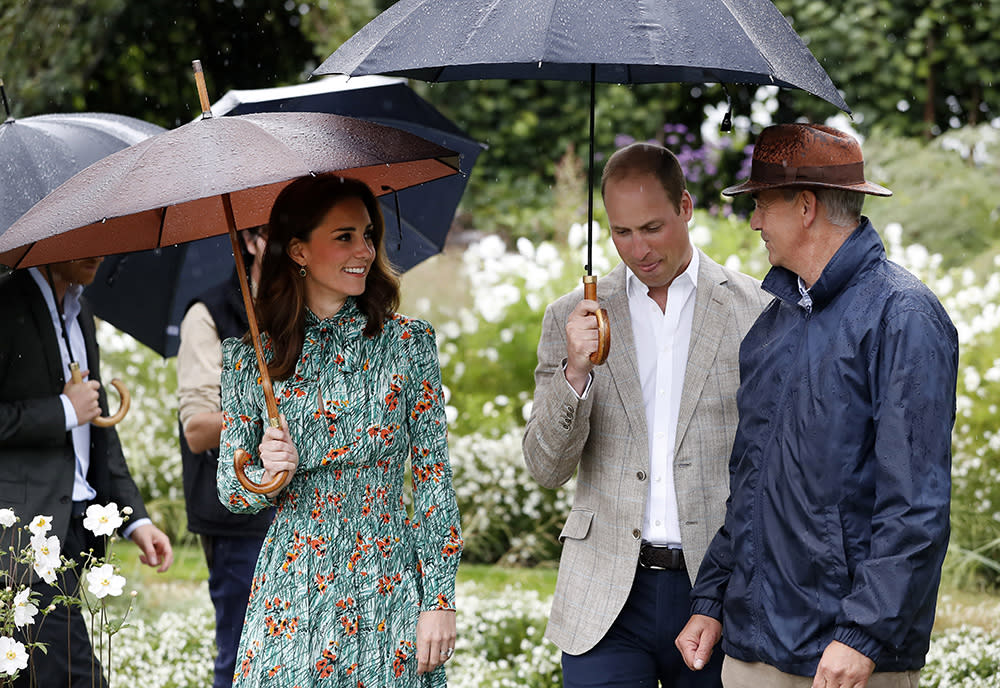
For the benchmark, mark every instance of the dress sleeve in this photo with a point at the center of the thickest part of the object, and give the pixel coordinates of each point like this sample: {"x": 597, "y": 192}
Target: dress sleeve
{"x": 436, "y": 521}
{"x": 242, "y": 426}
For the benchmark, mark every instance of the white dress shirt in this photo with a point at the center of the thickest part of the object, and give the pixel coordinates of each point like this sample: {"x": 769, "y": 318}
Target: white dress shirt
{"x": 661, "y": 346}
{"x": 82, "y": 491}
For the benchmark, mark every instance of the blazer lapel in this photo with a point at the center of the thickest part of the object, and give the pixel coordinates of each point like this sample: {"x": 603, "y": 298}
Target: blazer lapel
{"x": 86, "y": 321}
{"x": 43, "y": 323}
{"x": 711, "y": 311}
{"x": 622, "y": 363}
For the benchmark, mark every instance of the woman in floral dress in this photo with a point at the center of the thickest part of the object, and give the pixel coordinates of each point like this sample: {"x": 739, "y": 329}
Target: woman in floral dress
{"x": 349, "y": 589}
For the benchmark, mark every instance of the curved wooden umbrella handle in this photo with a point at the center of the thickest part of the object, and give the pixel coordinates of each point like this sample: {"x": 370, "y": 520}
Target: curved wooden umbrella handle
{"x": 603, "y": 324}
{"x": 123, "y": 407}
{"x": 241, "y": 458}
{"x": 123, "y": 393}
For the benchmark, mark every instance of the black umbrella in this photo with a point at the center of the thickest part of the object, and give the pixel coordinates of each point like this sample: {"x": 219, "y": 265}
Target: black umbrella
{"x": 615, "y": 41}
{"x": 39, "y": 153}
{"x": 417, "y": 219}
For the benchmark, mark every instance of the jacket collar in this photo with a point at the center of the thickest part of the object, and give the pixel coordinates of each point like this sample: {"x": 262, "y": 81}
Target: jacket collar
{"x": 861, "y": 251}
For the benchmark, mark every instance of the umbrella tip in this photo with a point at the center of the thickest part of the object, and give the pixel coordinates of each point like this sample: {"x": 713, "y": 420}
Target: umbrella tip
{"x": 3, "y": 94}
{"x": 199, "y": 78}
{"x": 727, "y": 119}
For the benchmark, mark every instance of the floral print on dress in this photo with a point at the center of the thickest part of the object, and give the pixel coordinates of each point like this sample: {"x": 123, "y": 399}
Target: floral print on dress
{"x": 344, "y": 570}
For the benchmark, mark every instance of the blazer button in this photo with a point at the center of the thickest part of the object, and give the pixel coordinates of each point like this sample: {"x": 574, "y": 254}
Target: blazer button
{"x": 64, "y": 499}
{"x": 641, "y": 475}
{"x": 636, "y": 533}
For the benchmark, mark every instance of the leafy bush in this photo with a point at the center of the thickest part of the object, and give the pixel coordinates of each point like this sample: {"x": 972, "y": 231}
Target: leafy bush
{"x": 966, "y": 657}
{"x": 506, "y": 516}
{"x": 500, "y": 640}
{"x": 149, "y": 431}
{"x": 944, "y": 190}
{"x": 174, "y": 650}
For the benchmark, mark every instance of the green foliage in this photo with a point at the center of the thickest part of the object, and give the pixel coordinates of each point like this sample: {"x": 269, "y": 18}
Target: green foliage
{"x": 506, "y": 516}
{"x": 963, "y": 657}
{"x": 134, "y": 58}
{"x": 49, "y": 49}
{"x": 916, "y": 68}
{"x": 975, "y": 556}
{"x": 328, "y": 23}
{"x": 149, "y": 431}
{"x": 944, "y": 190}
{"x": 531, "y": 125}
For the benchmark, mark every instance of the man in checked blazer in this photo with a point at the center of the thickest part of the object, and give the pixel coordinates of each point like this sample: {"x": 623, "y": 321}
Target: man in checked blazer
{"x": 648, "y": 433}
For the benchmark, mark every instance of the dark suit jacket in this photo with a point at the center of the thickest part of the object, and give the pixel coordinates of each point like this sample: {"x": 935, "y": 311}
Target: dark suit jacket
{"x": 36, "y": 452}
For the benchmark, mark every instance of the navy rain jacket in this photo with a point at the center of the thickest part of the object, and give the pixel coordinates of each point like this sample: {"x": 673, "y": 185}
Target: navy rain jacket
{"x": 837, "y": 523}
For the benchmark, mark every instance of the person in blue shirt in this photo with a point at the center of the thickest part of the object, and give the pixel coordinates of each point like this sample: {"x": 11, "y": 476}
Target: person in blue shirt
{"x": 826, "y": 570}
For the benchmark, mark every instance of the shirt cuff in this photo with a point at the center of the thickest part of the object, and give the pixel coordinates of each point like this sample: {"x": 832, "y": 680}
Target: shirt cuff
{"x": 69, "y": 412}
{"x": 586, "y": 389}
{"x": 132, "y": 526}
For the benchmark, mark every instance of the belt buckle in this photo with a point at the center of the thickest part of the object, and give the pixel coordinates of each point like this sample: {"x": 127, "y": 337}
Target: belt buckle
{"x": 645, "y": 563}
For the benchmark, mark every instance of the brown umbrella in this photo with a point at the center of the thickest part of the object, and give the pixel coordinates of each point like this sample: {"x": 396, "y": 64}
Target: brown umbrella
{"x": 210, "y": 177}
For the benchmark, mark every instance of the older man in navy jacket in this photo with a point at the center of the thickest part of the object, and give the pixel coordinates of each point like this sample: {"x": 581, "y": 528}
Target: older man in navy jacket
{"x": 826, "y": 570}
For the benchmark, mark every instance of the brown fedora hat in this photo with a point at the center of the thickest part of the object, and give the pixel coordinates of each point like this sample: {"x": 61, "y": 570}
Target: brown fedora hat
{"x": 807, "y": 155}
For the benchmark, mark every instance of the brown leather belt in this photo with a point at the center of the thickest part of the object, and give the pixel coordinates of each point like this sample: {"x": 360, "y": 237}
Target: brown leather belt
{"x": 661, "y": 558}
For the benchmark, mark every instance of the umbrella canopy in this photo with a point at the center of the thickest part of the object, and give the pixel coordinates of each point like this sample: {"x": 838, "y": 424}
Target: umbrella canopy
{"x": 39, "y": 153}
{"x": 627, "y": 42}
{"x": 170, "y": 278}
{"x": 167, "y": 189}
{"x": 619, "y": 41}
{"x": 425, "y": 213}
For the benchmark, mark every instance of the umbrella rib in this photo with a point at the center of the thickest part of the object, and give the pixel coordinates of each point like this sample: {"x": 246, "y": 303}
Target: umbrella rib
{"x": 159, "y": 232}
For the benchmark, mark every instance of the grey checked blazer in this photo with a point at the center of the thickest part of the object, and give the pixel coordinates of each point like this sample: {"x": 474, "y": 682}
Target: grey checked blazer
{"x": 603, "y": 437}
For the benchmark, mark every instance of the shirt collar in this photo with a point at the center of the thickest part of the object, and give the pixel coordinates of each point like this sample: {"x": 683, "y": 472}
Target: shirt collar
{"x": 635, "y": 286}
{"x": 806, "y": 300}
{"x": 71, "y": 300}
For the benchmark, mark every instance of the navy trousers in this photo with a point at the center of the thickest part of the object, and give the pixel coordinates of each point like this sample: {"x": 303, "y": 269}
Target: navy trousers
{"x": 231, "y": 561}
{"x": 638, "y": 650}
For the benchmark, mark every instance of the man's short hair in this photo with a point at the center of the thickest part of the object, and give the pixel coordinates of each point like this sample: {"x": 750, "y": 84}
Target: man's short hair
{"x": 648, "y": 158}
{"x": 840, "y": 207}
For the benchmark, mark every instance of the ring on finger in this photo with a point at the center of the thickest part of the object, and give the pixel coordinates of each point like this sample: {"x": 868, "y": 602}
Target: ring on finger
{"x": 448, "y": 653}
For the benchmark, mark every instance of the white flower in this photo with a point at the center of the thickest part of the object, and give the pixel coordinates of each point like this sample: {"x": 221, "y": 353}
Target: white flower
{"x": 7, "y": 518}
{"x": 24, "y": 610}
{"x": 102, "y": 520}
{"x": 103, "y": 581}
{"x": 46, "y": 551}
{"x": 13, "y": 658}
{"x": 40, "y": 525}
{"x": 46, "y": 573}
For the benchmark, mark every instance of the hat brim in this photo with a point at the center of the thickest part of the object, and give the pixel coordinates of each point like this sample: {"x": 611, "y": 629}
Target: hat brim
{"x": 750, "y": 186}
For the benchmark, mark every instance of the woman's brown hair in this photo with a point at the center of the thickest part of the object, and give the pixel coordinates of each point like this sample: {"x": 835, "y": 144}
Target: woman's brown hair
{"x": 280, "y": 302}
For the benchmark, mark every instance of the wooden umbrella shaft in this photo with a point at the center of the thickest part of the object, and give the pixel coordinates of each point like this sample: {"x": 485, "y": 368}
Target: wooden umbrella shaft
{"x": 241, "y": 457}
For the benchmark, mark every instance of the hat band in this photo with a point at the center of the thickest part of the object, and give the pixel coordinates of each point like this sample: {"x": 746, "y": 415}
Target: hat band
{"x": 840, "y": 175}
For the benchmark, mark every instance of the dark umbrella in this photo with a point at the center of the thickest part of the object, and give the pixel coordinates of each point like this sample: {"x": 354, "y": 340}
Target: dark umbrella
{"x": 170, "y": 278}
{"x": 39, "y": 153}
{"x": 210, "y": 177}
{"x": 615, "y": 41}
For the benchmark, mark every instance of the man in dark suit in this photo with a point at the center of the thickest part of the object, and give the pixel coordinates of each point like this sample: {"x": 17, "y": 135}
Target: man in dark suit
{"x": 53, "y": 462}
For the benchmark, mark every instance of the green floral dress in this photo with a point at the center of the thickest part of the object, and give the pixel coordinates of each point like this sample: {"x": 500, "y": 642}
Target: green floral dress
{"x": 344, "y": 571}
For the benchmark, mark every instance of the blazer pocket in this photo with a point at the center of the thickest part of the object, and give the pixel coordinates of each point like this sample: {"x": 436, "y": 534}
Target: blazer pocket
{"x": 577, "y": 525}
